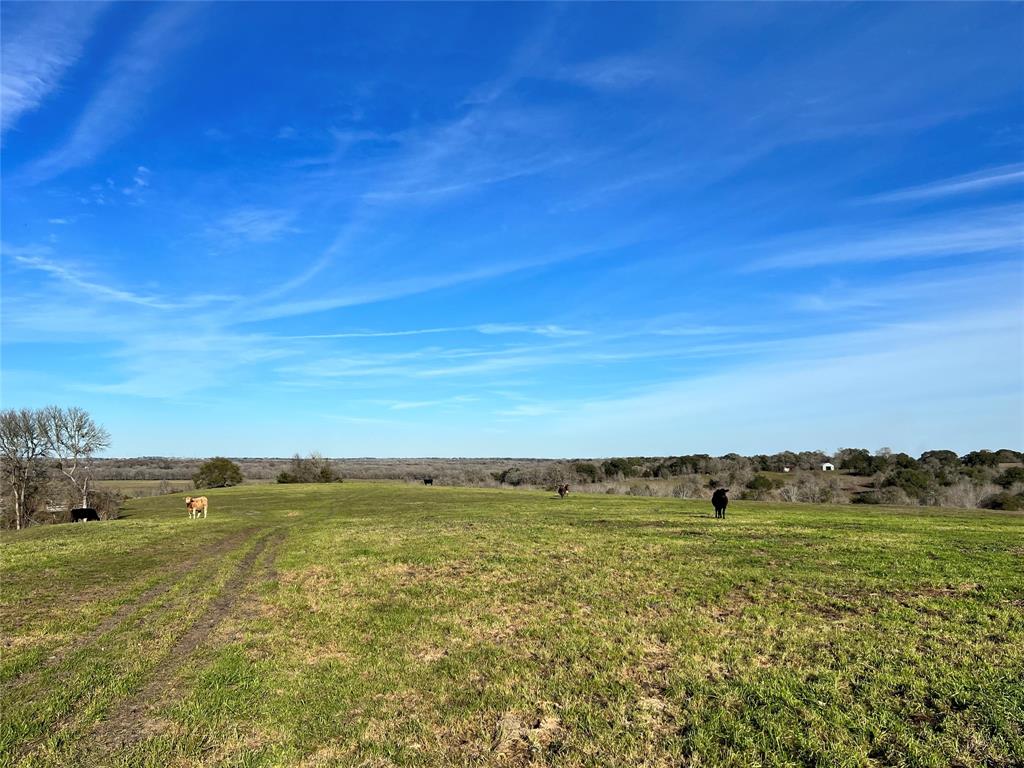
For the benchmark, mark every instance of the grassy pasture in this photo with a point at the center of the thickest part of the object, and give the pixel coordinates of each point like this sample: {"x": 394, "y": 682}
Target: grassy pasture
{"x": 142, "y": 487}
{"x": 390, "y": 624}
{"x": 132, "y": 488}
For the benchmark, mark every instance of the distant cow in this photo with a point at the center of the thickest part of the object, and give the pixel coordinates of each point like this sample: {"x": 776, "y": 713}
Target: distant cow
{"x": 720, "y": 501}
{"x": 84, "y": 515}
{"x": 563, "y": 490}
{"x": 428, "y": 481}
{"x": 195, "y": 505}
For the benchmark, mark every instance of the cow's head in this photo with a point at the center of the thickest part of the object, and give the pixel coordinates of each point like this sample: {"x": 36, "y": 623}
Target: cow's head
{"x": 188, "y": 499}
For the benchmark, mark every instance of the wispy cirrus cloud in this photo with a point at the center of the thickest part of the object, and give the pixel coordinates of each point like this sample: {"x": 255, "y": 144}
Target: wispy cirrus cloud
{"x": 611, "y": 73}
{"x": 967, "y": 233}
{"x": 550, "y": 330}
{"x": 484, "y": 144}
{"x": 116, "y": 105}
{"x": 979, "y": 181}
{"x": 40, "y": 258}
{"x": 952, "y": 287}
{"x": 386, "y": 290}
{"x": 40, "y": 44}
{"x": 43, "y": 259}
{"x": 255, "y": 225}
{"x": 952, "y": 362}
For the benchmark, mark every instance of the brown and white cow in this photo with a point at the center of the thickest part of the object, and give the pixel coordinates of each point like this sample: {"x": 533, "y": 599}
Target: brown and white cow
{"x": 195, "y": 505}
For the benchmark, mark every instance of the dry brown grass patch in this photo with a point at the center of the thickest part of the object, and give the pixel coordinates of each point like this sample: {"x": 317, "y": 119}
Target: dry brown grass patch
{"x": 520, "y": 742}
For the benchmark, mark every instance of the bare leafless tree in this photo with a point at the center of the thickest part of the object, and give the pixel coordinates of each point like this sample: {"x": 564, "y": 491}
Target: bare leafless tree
{"x": 73, "y": 437}
{"x": 24, "y": 444}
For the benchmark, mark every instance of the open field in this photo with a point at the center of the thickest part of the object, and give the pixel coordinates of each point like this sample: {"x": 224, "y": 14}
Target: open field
{"x": 392, "y": 624}
{"x": 133, "y": 488}
{"x": 143, "y": 487}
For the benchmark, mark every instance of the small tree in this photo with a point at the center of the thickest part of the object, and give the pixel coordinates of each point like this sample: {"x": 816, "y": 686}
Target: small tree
{"x": 312, "y": 469}
{"x": 23, "y": 448}
{"x": 218, "y": 472}
{"x": 72, "y": 438}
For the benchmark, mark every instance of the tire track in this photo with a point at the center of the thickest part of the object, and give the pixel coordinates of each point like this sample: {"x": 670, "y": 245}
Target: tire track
{"x": 161, "y": 674}
{"x": 124, "y": 725}
{"x": 176, "y": 575}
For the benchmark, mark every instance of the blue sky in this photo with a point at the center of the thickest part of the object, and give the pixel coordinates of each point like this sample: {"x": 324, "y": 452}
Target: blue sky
{"x": 516, "y": 230}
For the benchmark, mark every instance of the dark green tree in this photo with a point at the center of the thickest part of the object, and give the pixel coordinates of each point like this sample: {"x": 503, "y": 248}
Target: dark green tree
{"x": 981, "y": 459}
{"x": 1010, "y": 476}
{"x": 218, "y": 472}
{"x": 939, "y": 458}
{"x": 585, "y": 470}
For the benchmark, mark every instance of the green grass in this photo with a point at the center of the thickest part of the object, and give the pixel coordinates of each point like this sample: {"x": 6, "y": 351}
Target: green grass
{"x": 388, "y": 624}
{"x": 152, "y": 487}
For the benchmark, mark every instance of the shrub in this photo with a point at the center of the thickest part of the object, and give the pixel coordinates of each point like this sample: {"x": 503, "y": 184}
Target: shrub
{"x": 618, "y": 467}
{"x": 641, "y": 490}
{"x": 218, "y": 472}
{"x": 913, "y": 482}
{"x": 312, "y": 469}
{"x": 690, "y": 487}
{"x": 763, "y": 483}
{"x": 585, "y": 471}
{"x": 513, "y": 476}
{"x": 1008, "y": 501}
{"x": 889, "y": 495}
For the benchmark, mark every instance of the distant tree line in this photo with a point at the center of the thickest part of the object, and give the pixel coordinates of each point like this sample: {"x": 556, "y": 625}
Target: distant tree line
{"x": 984, "y": 478}
{"x": 46, "y": 459}
{"x": 937, "y": 478}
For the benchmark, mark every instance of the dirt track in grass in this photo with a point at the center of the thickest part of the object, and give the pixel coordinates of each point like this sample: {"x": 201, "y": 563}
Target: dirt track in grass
{"x": 131, "y": 720}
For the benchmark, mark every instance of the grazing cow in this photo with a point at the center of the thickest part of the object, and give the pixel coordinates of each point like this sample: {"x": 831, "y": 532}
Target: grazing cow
{"x": 195, "y": 505}
{"x": 720, "y": 502}
{"x": 428, "y": 481}
{"x": 563, "y": 490}
{"x": 84, "y": 515}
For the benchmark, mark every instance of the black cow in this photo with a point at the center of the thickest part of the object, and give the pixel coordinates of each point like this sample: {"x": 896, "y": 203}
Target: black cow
{"x": 83, "y": 515}
{"x": 720, "y": 502}
{"x": 563, "y": 490}
{"x": 428, "y": 481}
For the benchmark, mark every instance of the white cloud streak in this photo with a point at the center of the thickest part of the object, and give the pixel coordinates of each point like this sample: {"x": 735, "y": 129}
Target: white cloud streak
{"x": 113, "y": 109}
{"x": 38, "y": 258}
{"x": 994, "y": 230}
{"x": 613, "y": 73}
{"x": 255, "y": 225}
{"x": 958, "y": 185}
{"x": 40, "y": 44}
